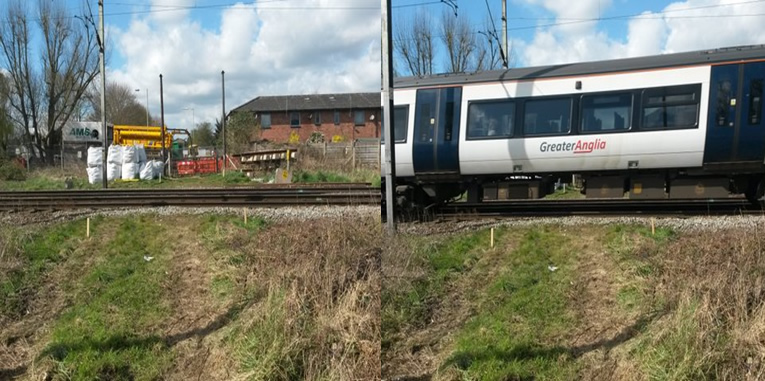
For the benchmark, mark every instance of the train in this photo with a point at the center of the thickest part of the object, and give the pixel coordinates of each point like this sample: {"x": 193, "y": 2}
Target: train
{"x": 672, "y": 126}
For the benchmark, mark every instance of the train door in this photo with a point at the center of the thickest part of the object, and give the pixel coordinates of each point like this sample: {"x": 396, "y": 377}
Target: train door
{"x": 436, "y": 131}
{"x": 735, "y": 129}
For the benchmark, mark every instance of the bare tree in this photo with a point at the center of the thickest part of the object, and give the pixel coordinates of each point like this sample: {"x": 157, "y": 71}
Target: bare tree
{"x": 459, "y": 38}
{"x": 46, "y": 85}
{"x": 489, "y": 48}
{"x": 414, "y": 44}
{"x": 6, "y": 127}
{"x": 122, "y": 106}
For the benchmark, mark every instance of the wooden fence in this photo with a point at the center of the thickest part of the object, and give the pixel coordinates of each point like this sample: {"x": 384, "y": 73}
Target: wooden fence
{"x": 360, "y": 153}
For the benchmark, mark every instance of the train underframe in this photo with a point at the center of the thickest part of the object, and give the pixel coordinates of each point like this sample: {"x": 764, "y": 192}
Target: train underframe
{"x": 415, "y": 196}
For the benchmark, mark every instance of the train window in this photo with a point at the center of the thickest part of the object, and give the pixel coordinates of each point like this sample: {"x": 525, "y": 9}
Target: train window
{"x": 671, "y": 107}
{"x": 400, "y": 124}
{"x": 547, "y": 117}
{"x": 606, "y": 113}
{"x": 490, "y": 120}
{"x": 723, "y": 102}
{"x": 755, "y": 102}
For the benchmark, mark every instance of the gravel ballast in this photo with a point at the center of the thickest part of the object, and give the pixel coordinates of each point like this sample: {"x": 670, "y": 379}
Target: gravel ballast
{"x": 689, "y": 224}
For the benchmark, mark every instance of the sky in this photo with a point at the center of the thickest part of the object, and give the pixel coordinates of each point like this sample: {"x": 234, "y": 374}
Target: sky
{"x": 543, "y": 32}
{"x": 265, "y": 47}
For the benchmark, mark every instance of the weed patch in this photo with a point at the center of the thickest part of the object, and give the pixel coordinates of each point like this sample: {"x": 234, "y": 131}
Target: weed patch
{"x": 37, "y": 253}
{"x": 521, "y": 315}
{"x": 111, "y": 326}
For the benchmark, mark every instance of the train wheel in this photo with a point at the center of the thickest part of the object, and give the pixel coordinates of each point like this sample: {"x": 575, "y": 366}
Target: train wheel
{"x": 755, "y": 192}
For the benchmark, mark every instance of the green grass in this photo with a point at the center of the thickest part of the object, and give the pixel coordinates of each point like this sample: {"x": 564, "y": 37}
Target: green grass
{"x": 42, "y": 181}
{"x": 521, "y": 315}
{"x": 111, "y": 329}
{"x": 45, "y": 181}
{"x": 321, "y": 176}
{"x": 569, "y": 193}
{"x": 678, "y": 353}
{"x": 39, "y": 253}
{"x": 263, "y": 348}
{"x": 411, "y": 306}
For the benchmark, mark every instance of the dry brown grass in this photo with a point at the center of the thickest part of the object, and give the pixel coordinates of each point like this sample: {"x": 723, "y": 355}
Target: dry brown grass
{"x": 318, "y": 286}
{"x": 715, "y": 288}
{"x": 299, "y": 301}
{"x": 681, "y": 306}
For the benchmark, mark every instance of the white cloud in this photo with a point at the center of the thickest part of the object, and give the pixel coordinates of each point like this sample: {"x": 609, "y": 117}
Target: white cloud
{"x": 264, "y": 52}
{"x": 675, "y": 29}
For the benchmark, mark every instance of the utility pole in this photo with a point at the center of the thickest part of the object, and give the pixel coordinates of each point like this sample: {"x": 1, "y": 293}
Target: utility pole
{"x": 147, "y": 107}
{"x": 504, "y": 33}
{"x": 223, "y": 118}
{"x": 387, "y": 95}
{"x": 101, "y": 43}
{"x": 162, "y": 116}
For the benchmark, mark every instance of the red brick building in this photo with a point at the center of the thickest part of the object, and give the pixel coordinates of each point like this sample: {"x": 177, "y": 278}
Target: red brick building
{"x": 296, "y": 117}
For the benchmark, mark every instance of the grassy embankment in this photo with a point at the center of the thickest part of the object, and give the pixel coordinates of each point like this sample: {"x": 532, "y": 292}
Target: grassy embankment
{"x": 182, "y": 297}
{"x": 561, "y": 303}
{"x": 52, "y": 179}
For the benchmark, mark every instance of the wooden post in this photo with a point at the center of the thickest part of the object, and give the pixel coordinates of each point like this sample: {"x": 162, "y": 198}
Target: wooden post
{"x": 87, "y": 228}
{"x": 245, "y": 215}
{"x": 353, "y": 154}
{"x": 492, "y": 237}
{"x": 653, "y": 226}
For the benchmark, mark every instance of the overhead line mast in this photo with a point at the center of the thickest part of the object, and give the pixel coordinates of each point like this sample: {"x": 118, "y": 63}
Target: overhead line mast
{"x": 388, "y": 127}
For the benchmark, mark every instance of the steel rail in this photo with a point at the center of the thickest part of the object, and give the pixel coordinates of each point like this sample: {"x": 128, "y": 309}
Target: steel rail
{"x": 597, "y": 207}
{"x": 253, "y": 197}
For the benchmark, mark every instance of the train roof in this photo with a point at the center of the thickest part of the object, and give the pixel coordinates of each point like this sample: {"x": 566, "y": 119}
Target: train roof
{"x": 731, "y": 54}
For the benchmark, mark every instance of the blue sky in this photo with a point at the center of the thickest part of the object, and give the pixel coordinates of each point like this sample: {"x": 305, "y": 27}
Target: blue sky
{"x": 266, "y": 47}
{"x": 561, "y": 31}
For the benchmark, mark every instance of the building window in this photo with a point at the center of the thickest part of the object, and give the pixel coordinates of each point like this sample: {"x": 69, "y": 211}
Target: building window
{"x": 358, "y": 117}
{"x": 337, "y": 117}
{"x": 294, "y": 119}
{"x": 265, "y": 120}
{"x": 317, "y": 118}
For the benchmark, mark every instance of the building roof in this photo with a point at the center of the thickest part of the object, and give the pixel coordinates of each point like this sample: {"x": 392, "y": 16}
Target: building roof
{"x": 312, "y": 102}
{"x": 715, "y": 56}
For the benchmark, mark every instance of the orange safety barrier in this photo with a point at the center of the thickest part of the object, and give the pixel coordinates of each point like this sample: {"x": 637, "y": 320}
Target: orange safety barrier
{"x": 199, "y": 166}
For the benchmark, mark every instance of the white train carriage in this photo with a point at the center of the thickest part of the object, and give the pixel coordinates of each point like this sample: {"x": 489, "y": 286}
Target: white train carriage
{"x": 685, "y": 125}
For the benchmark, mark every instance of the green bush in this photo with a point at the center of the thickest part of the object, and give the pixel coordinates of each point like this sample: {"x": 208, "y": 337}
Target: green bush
{"x": 11, "y": 172}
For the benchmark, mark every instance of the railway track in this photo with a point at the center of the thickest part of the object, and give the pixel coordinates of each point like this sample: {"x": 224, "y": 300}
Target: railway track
{"x": 583, "y": 207}
{"x": 261, "y": 196}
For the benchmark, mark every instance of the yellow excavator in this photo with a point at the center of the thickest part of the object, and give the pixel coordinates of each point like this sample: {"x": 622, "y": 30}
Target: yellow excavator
{"x": 151, "y": 138}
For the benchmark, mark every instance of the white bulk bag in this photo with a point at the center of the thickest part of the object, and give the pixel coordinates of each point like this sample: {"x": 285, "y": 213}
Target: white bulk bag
{"x": 146, "y": 171}
{"x": 94, "y": 174}
{"x": 158, "y": 168}
{"x": 114, "y": 155}
{"x": 129, "y": 171}
{"x": 129, "y": 155}
{"x": 113, "y": 171}
{"x": 141, "y": 153}
{"x": 95, "y": 157}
